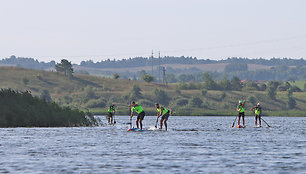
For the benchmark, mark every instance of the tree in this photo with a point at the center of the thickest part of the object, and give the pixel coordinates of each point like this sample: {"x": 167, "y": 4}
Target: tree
{"x": 148, "y": 78}
{"x": 65, "y": 66}
{"x": 181, "y": 102}
{"x": 135, "y": 93}
{"x": 203, "y": 92}
{"x": 236, "y": 83}
{"x": 161, "y": 96}
{"x": 89, "y": 93}
{"x": 196, "y": 101}
{"x": 271, "y": 92}
{"x": 116, "y": 76}
{"x": 291, "y": 103}
{"x": 225, "y": 83}
{"x": 290, "y": 92}
{"x": 251, "y": 99}
{"x": 209, "y": 83}
{"x": 45, "y": 95}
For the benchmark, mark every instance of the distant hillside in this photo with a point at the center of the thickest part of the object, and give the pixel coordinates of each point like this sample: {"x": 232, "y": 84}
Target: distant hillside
{"x": 26, "y": 63}
{"x": 134, "y": 68}
{"x": 144, "y": 61}
{"x": 95, "y": 93}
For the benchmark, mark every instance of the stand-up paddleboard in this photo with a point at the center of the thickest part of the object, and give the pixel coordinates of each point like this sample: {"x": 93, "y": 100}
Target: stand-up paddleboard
{"x": 142, "y": 130}
{"x": 240, "y": 126}
{"x": 137, "y": 130}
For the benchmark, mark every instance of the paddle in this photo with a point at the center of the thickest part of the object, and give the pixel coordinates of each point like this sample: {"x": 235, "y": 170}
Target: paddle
{"x": 265, "y": 122}
{"x": 156, "y": 123}
{"x": 234, "y": 121}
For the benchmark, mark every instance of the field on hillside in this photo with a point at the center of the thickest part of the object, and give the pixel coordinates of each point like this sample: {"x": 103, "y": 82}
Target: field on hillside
{"x": 95, "y": 93}
{"x": 203, "y": 67}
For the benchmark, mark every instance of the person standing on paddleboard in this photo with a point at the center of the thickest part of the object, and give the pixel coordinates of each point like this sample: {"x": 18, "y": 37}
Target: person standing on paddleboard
{"x": 110, "y": 112}
{"x": 141, "y": 114}
{"x": 258, "y": 110}
{"x": 162, "y": 111}
{"x": 240, "y": 109}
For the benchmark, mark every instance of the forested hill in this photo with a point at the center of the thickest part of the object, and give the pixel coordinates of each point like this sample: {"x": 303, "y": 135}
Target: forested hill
{"x": 32, "y": 63}
{"x": 144, "y": 61}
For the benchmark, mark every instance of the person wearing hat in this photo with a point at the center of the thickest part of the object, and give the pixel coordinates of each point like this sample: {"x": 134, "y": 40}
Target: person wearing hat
{"x": 240, "y": 109}
{"x": 164, "y": 113}
{"x": 110, "y": 112}
{"x": 258, "y": 110}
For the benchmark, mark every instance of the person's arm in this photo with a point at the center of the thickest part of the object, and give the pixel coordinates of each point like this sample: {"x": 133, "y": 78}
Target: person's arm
{"x": 253, "y": 108}
{"x": 132, "y": 112}
{"x": 243, "y": 104}
{"x": 238, "y": 108}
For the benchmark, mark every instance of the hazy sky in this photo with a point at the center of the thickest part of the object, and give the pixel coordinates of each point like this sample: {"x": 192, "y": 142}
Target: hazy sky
{"x": 101, "y": 29}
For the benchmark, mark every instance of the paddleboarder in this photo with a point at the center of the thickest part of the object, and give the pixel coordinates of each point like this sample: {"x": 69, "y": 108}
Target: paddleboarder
{"x": 240, "y": 109}
{"x": 258, "y": 110}
{"x": 110, "y": 112}
{"x": 164, "y": 113}
{"x": 141, "y": 114}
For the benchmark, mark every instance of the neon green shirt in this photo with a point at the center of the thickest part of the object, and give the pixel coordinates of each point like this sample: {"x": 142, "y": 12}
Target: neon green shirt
{"x": 137, "y": 108}
{"x": 164, "y": 111}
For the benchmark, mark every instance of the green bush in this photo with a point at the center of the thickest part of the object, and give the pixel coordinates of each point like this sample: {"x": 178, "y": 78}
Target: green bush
{"x": 182, "y": 102}
{"x": 21, "y": 109}
{"x": 196, "y": 102}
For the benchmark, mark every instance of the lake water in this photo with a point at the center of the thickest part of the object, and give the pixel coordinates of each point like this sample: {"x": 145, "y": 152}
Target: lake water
{"x": 192, "y": 145}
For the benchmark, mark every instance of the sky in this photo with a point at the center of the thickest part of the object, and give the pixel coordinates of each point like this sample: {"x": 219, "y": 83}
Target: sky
{"x": 100, "y": 29}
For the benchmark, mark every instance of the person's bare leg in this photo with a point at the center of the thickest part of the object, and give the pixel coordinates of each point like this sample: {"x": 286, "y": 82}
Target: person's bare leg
{"x": 161, "y": 123}
{"x": 259, "y": 120}
{"x": 140, "y": 124}
{"x": 137, "y": 123}
{"x": 111, "y": 120}
{"x": 165, "y": 122}
{"x": 255, "y": 121}
{"x": 243, "y": 121}
{"x": 238, "y": 120}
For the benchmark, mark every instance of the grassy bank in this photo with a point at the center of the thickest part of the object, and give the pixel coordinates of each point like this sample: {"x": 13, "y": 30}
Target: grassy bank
{"x": 96, "y": 93}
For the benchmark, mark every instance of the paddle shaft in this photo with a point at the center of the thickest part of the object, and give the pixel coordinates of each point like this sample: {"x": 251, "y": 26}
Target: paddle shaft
{"x": 234, "y": 121}
{"x": 265, "y": 122}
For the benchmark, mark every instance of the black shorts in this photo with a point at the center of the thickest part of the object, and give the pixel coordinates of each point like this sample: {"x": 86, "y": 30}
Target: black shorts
{"x": 165, "y": 116}
{"x": 141, "y": 115}
{"x": 241, "y": 114}
{"x": 257, "y": 116}
{"x": 109, "y": 115}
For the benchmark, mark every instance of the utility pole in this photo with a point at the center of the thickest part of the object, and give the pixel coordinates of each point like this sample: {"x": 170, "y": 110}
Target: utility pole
{"x": 152, "y": 62}
{"x": 159, "y": 67}
{"x": 164, "y": 76}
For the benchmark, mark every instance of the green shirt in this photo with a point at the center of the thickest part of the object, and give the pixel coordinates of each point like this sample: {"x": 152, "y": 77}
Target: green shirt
{"x": 240, "y": 108}
{"x": 137, "y": 108}
{"x": 111, "y": 109}
{"x": 164, "y": 111}
{"x": 257, "y": 110}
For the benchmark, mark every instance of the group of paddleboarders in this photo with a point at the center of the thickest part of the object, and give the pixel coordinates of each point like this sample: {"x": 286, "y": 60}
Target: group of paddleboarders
{"x": 241, "y": 113}
{"x": 162, "y": 112}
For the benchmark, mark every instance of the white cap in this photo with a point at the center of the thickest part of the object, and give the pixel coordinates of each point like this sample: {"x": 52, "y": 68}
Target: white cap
{"x": 258, "y": 104}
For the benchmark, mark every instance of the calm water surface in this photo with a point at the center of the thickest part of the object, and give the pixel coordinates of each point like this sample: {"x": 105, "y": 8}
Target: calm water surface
{"x": 192, "y": 145}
